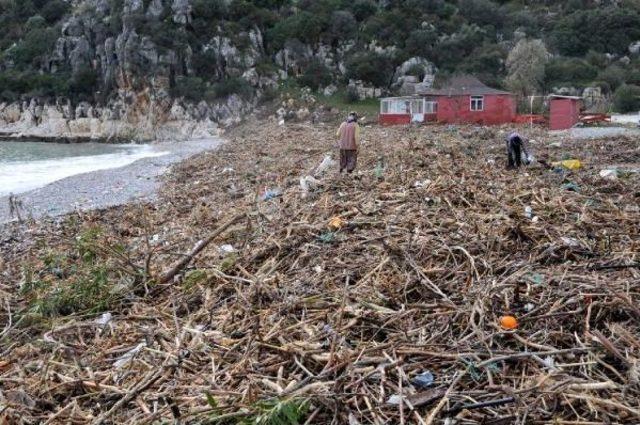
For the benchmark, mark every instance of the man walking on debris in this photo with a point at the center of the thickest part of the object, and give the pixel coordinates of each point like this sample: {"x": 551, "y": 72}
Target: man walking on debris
{"x": 349, "y": 135}
{"x": 515, "y": 150}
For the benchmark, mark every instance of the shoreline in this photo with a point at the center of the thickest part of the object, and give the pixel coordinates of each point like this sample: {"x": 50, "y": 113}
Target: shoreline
{"x": 13, "y": 137}
{"x": 105, "y": 188}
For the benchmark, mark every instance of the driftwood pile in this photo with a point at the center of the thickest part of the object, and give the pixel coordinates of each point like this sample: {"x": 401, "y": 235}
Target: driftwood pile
{"x": 370, "y": 299}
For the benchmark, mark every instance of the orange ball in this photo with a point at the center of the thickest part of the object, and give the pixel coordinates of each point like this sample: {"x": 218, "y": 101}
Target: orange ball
{"x": 508, "y": 323}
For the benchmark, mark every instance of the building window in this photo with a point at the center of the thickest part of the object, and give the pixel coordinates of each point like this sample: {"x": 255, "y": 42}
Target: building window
{"x": 395, "y": 106}
{"x": 477, "y": 103}
{"x": 430, "y": 107}
{"x": 417, "y": 106}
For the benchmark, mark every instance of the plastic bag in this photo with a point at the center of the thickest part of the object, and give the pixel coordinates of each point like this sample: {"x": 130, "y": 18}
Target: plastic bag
{"x": 325, "y": 165}
{"x": 569, "y": 164}
{"x": 528, "y": 159}
{"x": 308, "y": 184}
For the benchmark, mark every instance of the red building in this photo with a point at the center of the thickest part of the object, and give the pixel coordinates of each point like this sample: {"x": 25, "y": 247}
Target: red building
{"x": 463, "y": 100}
{"x": 564, "y": 111}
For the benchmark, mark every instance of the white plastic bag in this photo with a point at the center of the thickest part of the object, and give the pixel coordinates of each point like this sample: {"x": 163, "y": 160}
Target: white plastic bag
{"x": 325, "y": 165}
{"x": 308, "y": 184}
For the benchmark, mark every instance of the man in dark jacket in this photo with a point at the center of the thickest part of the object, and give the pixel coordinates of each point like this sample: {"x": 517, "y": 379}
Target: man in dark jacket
{"x": 515, "y": 149}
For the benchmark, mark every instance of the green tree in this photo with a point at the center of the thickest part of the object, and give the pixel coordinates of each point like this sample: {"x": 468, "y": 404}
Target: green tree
{"x": 191, "y": 88}
{"x": 607, "y": 30}
{"x": 84, "y": 83}
{"x": 316, "y": 75}
{"x": 482, "y": 12}
{"x": 371, "y": 67}
{"x": 487, "y": 62}
{"x": 627, "y": 98}
{"x": 33, "y": 48}
{"x": 54, "y": 10}
{"x": 304, "y": 26}
{"x": 614, "y": 76}
{"x": 363, "y": 9}
{"x": 343, "y": 26}
{"x": 572, "y": 71}
{"x": 526, "y": 67}
{"x": 421, "y": 42}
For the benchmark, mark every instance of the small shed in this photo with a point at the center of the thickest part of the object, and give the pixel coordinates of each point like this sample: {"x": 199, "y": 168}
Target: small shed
{"x": 564, "y": 111}
{"x": 462, "y": 100}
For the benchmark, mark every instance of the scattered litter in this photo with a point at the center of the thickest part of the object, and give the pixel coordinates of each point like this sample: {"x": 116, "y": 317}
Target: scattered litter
{"x": 394, "y": 400}
{"x": 104, "y": 319}
{"x": 571, "y": 187}
{"x": 308, "y": 184}
{"x": 609, "y": 174}
{"x": 128, "y": 356}
{"x": 569, "y": 164}
{"x": 549, "y": 362}
{"x": 327, "y": 237}
{"x": 508, "y": 323}
{"x": 327, "y": 163}
{"x": 570, "y": 242}
{"x": 536, "y": 278}
{"x": 528, "y": 159}
{"x": 227, "y": 249}
{"x": 271, "y": 194}
{"x": 227, "y": 170}
{"x": 424, "y": 380}
{"x": 528, "y": 212}
{"x": 337, "y": 223}
{"x": 422, "y": 183}
{"x": 234, "y": 192}
{"x": 416, "y": 285}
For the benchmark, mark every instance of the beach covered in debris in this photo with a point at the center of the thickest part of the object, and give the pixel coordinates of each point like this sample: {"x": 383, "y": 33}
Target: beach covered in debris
{"x": 262, "y": 287}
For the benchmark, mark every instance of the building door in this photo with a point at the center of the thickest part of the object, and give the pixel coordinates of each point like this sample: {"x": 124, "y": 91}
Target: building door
{"x": 417, "y": 110}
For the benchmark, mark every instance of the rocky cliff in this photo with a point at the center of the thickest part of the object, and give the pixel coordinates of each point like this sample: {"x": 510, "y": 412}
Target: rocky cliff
{"x": 144, "y": 117}
{"x": 132, "y": 96}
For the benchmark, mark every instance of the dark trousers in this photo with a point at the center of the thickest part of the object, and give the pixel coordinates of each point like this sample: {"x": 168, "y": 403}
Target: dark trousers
{"x": 515, "y": 155}
{"x": 348, "y": 160}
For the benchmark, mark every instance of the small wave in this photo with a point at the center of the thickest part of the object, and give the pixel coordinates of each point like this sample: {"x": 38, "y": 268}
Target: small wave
{"x": 20, "y": 177}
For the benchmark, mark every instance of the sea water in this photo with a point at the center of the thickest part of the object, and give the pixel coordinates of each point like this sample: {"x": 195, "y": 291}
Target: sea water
{"x": 26, "y": 165}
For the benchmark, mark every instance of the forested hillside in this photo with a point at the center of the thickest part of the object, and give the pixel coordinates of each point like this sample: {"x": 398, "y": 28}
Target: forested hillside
{"x": 208, "y": 49}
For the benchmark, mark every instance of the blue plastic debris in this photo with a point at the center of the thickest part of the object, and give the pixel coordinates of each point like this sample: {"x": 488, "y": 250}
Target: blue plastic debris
{"x": 424, "y": 380}
{"x": 572, "y": 187}
{"x": 271, "y": 194}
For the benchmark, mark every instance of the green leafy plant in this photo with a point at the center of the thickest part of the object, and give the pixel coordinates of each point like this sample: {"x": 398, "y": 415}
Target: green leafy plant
{"x": 77, "y": 279}
{"x": 270, "y": 412}
{"x": 279, "y": 412}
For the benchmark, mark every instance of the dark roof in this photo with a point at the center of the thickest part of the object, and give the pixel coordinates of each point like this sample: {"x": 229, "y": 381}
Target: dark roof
{"x": 461, "y": 86}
